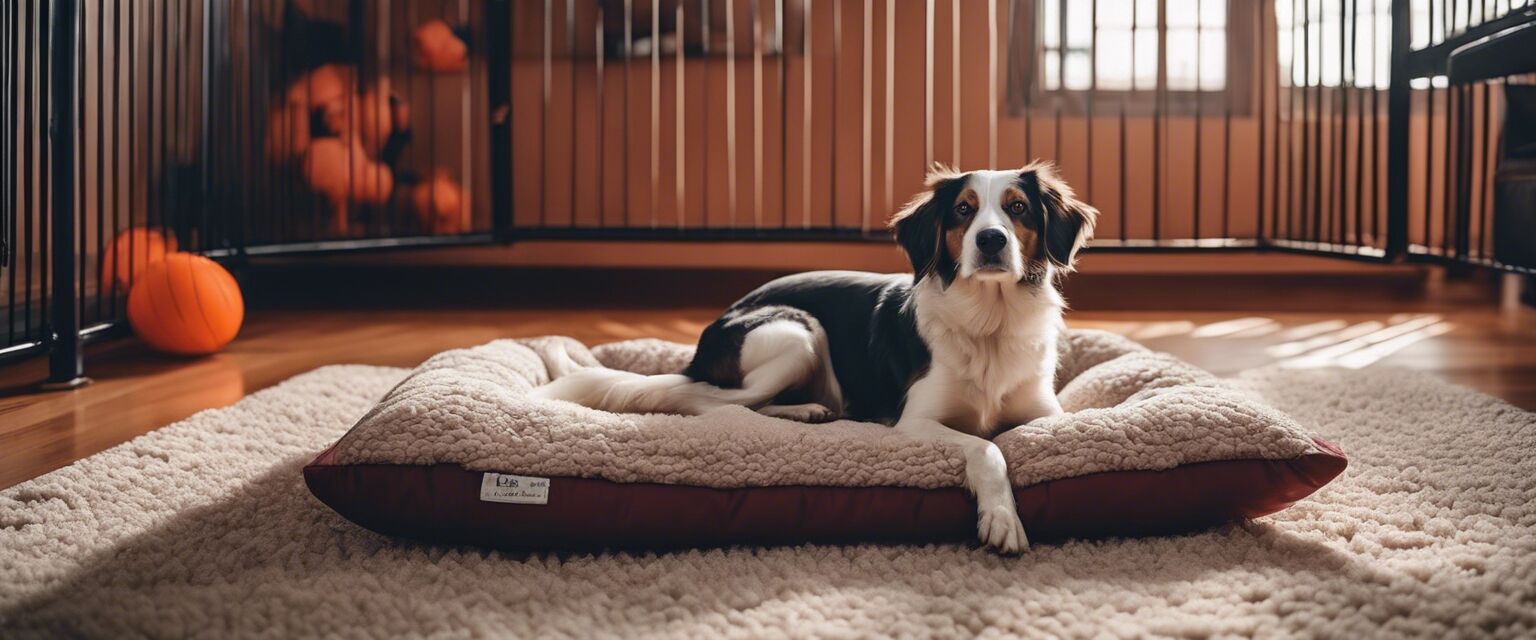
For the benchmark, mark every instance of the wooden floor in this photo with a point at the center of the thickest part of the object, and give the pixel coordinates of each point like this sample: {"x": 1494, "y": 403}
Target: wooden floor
{"x": 1471, "y": 343}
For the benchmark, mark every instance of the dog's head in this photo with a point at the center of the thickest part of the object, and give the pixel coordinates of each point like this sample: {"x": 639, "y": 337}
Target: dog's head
{"x": 998, "y": 226}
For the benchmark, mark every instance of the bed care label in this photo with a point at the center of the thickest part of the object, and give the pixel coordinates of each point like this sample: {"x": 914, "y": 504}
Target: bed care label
{"x": 502, "y": 487}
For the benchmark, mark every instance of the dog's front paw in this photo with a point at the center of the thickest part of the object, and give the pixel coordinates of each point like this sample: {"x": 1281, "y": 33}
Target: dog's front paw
{"x": 1000, "y": 529}
{"x": 811, "y": 412}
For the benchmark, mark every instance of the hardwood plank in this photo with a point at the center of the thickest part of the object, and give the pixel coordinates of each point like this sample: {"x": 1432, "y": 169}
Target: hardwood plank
{"x": 137, "y": 390}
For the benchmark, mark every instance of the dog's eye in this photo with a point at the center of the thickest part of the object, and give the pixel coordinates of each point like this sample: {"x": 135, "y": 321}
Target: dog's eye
{"x": 1018, "y": 208}
{"x": 963, "y": 209}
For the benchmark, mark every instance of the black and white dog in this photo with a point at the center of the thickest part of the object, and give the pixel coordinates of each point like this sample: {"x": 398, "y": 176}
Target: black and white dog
{"x": 960, "y": 351}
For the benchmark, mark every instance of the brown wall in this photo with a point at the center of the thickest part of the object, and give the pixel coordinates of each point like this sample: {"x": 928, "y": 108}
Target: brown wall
{"x": 869, "y": 141}
{"x": 883, "y": 142}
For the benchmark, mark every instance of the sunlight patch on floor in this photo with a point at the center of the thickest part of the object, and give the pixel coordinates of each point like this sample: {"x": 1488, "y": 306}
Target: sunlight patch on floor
{"x": 1231, "y": 327}
{"x": 1362, "y": 348}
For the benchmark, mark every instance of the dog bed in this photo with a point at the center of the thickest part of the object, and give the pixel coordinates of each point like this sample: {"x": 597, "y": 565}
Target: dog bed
{"x": 458, "y": 453}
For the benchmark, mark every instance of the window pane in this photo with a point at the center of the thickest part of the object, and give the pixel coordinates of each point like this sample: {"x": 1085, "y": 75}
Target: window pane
{"x": 1182, "y": 58}
{"x": 1213, "y": 66}
{"x": 1420, "y": 21}
{"x": 1079, "y": 26}
{"x": 1311, "y": 52}
{"x": 1383, "y": 49}
{"x": 1213, "y": 13}
{"x": 1126, "y": 57}
{"x": 1285, "y": 14}
{"x": 1078, "y": 75}
{"x": 1113, "y": 13}
{"x": 1114, "y": 59}
{"x": 1181, "y": 13}
{"x": 1050, "y": 23}
{"x": 1330, "y": 31}
{"x": 1146, "y": 13}
{"x": 1145, "y": 60}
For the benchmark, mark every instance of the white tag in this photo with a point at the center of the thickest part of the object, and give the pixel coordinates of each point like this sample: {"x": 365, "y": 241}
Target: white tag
{"x": 501, "y": 487}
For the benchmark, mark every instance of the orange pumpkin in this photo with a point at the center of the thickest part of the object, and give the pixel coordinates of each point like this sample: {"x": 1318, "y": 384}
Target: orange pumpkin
{"x": 439, "y": 203}
{"x": 186, "y": 304}
{"x": 131, "y": 252}
{"x": 437, "y": 48}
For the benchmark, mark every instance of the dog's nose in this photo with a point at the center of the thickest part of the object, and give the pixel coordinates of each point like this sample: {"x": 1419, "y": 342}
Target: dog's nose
{"x": 991, "y": 241}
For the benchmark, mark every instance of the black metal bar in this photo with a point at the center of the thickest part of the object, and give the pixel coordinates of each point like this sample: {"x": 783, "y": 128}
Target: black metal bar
{"x": 1029, "y": 129}
{"x": 1484, "y": 235}
{"x": 1398, "y": 106}
{"x": 15, "y": 106}
{"x": 783, "y": 65}
{"x": 18, "y": 352}
{"x": 1061, "y": 83}
{"x": 1359, "y": 182}
{"x": 570, "y": 55}
{"x": 1499, "y": 55}
{"x": 599, "y": 63}
{"x": 66, "y": 366}
{"x": 133, "y": 128}
{"x": 34, "y": 84}
{"x": 1124, "y": 233}
{"x": 1199, "y": 120}
{"x": 1315, "y": 230}
{"x": 1262, "y": 110}
{"x": 1226, "y": 143}
{"x": 837, "y": 63}
{"x": 865, "y": 88}
{"x": 206, "y": 162}
{"x": 890, "y": 105}
{"x": 1302, "y": 231}
{"x": 349, "y": 245}
{"x": 45, "y": 190}
{"x": 1448, "y": 197}
{"x": 1377, "y": 209}
{"x": 499, "y": 95}
{"x": 757, "y": 112}
{"x": 703, "y": 115}
{"x": 549, "y": 20}
{"x": 1093, "y": 88}
{"x": 731, "y": 187}
{"x": 681, "y": 110}
{"x": 1280, "y": 151}
{"x": 1341, "y": 128}
{"x": 1161, "y": 87}
{"x": 162, "y": 166}
{"x": 7, "y": 140}
{"x": 77, "y": 163}
{"x": 1430, "y": 60}
{"x": 1464, "y": 172}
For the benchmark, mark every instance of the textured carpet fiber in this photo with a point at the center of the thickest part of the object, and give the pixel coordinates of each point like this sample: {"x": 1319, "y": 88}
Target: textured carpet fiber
{"x": 205, "y": 528}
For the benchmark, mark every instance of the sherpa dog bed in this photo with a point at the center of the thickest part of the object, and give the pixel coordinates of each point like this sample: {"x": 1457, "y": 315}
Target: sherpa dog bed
{"x": 458, "y": 454}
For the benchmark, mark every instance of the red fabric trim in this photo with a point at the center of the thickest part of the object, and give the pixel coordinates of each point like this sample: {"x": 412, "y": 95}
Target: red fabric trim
{"x": 441, "y": 503}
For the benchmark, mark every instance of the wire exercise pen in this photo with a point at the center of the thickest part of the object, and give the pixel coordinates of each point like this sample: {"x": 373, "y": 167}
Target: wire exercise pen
{"x": 1366, "y": 129}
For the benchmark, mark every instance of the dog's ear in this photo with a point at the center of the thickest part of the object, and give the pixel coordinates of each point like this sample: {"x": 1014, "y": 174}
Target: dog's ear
{"x": 1067, "y": 223}
{"x": 919, "y": 225}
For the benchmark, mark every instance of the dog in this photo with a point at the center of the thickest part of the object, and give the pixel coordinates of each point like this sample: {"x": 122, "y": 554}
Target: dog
{"x": 957, "y": 352}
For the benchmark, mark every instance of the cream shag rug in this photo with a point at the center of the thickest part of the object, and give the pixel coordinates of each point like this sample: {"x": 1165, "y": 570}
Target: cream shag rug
{"x": 204, "y": 528}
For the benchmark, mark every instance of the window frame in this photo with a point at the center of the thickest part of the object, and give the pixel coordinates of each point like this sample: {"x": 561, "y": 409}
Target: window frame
{"x": 1026, "y": 54}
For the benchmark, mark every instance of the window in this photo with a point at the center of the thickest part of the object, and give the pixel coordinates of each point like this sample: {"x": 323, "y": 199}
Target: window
{"x": 1124, "y": 33}
{"x": 1066, "y": 52}
{"x": 1316, "y": 47}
